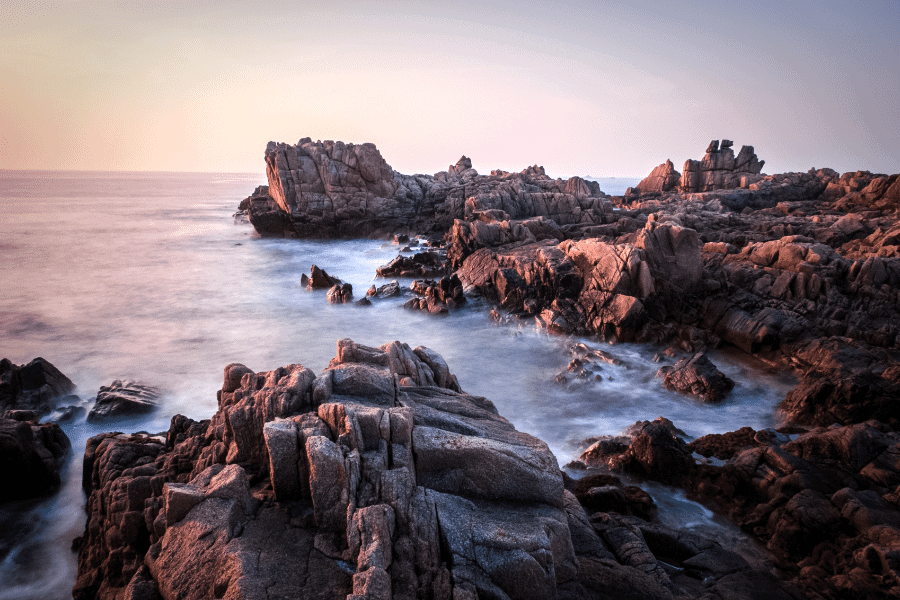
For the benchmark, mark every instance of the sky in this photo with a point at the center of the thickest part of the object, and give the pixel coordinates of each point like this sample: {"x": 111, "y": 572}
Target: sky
{"x": 603, "y": 89}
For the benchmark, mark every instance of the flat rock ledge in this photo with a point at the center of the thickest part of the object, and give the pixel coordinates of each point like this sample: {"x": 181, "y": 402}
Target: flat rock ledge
{"x": 378, "y": 478}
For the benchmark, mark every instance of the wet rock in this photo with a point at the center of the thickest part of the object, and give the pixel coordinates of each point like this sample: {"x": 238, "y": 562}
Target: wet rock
{"x": 31, "y": 456}
{"x": 265, "y": 215}
{"x": 437, "y": 297}
{"x": 422, "y": 264}
{"x": 124, "y": 399}
{"x": 654, "y": 452}
{"x": 388, "y": 290}
{"x": 697, "y": 376}
{"x": 606, "y": 493}
{"x": 33, "y": 386}
{"x": 340, "y": 294}
{"x": 309, "y": 486}
{"x": 725, "y": 445}
{"x": 319, "y": 280}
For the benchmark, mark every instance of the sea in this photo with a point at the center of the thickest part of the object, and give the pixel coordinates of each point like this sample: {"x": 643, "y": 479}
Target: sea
{"x": 150, "y": 277}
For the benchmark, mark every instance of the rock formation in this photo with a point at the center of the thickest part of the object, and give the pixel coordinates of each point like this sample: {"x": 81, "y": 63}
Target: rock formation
{"x": 697, "y": 376}
{"x": 379, "y": 478}
{"x": 826, "y": 504}
{"x": 35, "y": 386}
{"x": 663, "y": 178}
{"x": 31, "y": 453}
{"x": 721, "y": 169}
{"x": 333, "y": 189}
{"x": 799, "y": 269}
{"x": 124, "y": 399}
{"x": 31, "y": 456}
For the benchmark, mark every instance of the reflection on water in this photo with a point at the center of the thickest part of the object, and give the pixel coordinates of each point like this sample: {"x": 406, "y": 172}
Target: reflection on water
{"x": 147, "y": 277}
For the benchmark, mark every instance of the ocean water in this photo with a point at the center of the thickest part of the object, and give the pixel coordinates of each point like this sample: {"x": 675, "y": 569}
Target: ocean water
{"x": 147, "y": 276}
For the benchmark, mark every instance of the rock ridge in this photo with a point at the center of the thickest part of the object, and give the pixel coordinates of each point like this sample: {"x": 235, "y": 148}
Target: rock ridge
{"x": 379, "y": 478}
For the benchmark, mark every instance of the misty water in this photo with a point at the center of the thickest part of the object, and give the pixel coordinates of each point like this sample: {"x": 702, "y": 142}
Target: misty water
{"x": 147, "y": 276}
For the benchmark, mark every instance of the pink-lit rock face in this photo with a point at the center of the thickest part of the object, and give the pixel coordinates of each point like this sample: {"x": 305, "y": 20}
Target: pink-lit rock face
{"x": 332, "y": 189}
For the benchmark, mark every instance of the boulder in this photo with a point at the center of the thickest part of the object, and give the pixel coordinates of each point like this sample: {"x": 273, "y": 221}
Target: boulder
{"x": 663, "y": 178}
{"x": 340, "y": 294}
{"x": 696, "y": 376}
{"x": 31, "y": 456}
{"x": 34, "y": 386}
{"x": 124, "y": 399}
{"x": 319, "y": 280}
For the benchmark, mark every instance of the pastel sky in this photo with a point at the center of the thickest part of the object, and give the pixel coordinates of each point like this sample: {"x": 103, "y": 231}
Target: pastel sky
{"x": 583, "y": 88}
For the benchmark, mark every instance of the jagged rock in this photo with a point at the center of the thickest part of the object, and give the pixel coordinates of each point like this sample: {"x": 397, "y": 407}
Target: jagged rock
{"x": 654, "y": 451}
{"x": 31, "y": 456}
{"x": 124, "y": 399}
{"x": 340, "y": 294}
{"x": 421, "y": 264}
{"x": 440, "y": 296}
{"x": 319, "y": 280}
{"x": 333, "y": 189}
{"x": 697, "y": 376}
{"x": 388, "y": 290}
{"x": 196, "y": 508}
{"x": 663, "y": 178}
{"x": 34, "y": 386}
{"x": 720, "y": 169}
{"x": 725, "y": 445}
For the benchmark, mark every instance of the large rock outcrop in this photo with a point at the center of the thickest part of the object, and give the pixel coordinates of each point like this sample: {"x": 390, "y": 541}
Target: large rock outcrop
{"x": 378, "y": 478}
{"x": 721, "y": 169}
{"x": 378, "y": 475}
{"x": 333, "y": 189}
{"x": 581, "y": 286}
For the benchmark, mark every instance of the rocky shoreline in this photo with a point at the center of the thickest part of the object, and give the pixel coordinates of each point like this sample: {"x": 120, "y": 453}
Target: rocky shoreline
{"x": 801, "y": 270}
{"x": 381, "y": 478}
{"x": 378, "y": 478}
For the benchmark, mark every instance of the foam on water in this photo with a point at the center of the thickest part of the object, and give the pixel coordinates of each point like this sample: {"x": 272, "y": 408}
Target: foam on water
{"x": 147, "y": 277}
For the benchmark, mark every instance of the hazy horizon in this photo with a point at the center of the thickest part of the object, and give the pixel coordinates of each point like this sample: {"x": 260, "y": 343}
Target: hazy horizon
{"x": 600, "y": 89}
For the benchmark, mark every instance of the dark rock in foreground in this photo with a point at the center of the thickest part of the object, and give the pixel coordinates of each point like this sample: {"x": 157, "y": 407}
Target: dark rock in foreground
{"x": 378, "y": 478}
{"x": 34, "y": 386}
{"x": 31, "y": 456}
